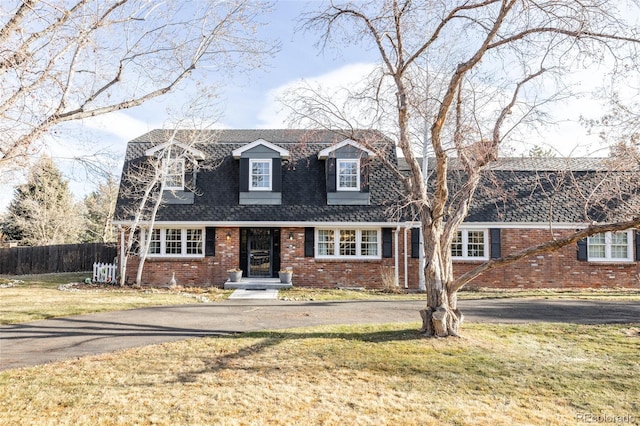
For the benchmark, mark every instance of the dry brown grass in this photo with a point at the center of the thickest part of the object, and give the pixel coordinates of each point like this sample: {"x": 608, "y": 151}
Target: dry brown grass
{"x": 38, "y": 297}
{"x": 546, "y": 374}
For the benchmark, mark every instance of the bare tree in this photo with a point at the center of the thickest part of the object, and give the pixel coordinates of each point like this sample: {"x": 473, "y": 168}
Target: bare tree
{"x": 147, "y": 185}
{"x": 469, "y": 75}
{"x": 63, "y": 61}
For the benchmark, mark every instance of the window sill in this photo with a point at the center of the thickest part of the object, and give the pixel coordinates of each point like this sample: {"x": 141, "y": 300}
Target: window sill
{"x": 479, "y": 260}
{"x": 347, "y": 259}
{"x": 612, "y": 262}
{"x": 175, "y": 257}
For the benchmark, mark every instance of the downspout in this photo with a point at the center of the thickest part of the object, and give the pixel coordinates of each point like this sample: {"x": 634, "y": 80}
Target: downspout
{"x": 397, "y": 257}
{"x": 121, "y": 231}
{"x": 421, "y": 282}
{"x": 406, "y": 261}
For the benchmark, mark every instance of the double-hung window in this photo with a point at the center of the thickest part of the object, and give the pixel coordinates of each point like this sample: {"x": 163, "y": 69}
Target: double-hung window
{"x": 260, "y": 175}
{"x": 610, "y": 246}
{"x": 470, "y": 244}
{"x": 155, "y": 246}
{"x": 174, "y": 174}
{"x": 348, "y": 243}
{"x": 176, "y": 242}
{"x": 348, "y": 175}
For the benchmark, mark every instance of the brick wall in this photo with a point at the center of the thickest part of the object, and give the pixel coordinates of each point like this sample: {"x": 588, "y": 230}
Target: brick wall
{"x": 312, "y": 272}
{"x": 559, "y": 269}
{"x": 204, "y": 272}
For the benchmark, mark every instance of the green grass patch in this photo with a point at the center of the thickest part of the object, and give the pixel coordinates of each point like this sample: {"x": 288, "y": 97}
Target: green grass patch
{"x": 540, "y": 374}
{"x": 36, "y": 297}
{"x": 46, "y": 280}
{"x": 312, "y": 294}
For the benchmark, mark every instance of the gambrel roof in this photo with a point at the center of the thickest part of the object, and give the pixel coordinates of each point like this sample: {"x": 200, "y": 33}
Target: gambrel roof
{"x": 304, "y": 197}
{"x": 550, "y": 190}
{"x": 512, "y": 190}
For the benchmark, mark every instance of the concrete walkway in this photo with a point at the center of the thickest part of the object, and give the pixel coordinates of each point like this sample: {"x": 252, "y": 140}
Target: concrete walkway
{"x": 40, "y": 342}
{"x": 246, "y": 294}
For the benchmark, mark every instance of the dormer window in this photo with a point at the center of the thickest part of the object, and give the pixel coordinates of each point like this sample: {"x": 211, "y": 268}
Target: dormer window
{"x": 260, "y": 175}
{"x": 174, "y": 174}
{"x": 347, "y": 166}
{"x": 348, "y": 175}
{"x": 260, "y": 167}
{"x": 179, "y": 164}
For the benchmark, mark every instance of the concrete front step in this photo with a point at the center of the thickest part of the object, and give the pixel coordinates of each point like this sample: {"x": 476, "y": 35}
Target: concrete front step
{"x": 254, "y": 294}
{"x": 257, "y": 284}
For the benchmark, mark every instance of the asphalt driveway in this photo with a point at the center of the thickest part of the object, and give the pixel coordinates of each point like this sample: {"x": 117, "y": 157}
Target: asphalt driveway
{"x": 40, "y": 342}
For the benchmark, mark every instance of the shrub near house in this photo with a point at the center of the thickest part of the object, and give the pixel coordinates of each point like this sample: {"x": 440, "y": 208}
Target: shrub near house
{"x": 325, "y": 205}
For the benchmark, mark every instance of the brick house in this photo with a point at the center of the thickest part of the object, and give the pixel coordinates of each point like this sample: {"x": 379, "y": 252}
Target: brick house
{"x": 326, "y": 207}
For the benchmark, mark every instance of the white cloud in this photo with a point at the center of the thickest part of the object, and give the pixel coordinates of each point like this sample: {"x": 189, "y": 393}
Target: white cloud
{"x": 274, "y": 115}
{"x": 119, "y": 124}
{"x": 566, "y": 135}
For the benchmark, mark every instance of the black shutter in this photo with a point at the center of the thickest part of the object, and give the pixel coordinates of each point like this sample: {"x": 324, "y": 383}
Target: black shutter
{"x": 364, "y": 175}
{"x": 387, "y": 240}
{"x": 244, "y": 252}
{"x": 276, "y": 175}
{"x": 415, "y": 243}
{"x": 309, "y": 242}
{"x": 331, "y": 174}
{"x": 244, "y": 175}
{"x": 637, "y": 245}
{"x": 210, "y": 241}
{"x": 275, "y": 260}
{"x": 582, "y": 249}
{"x": 494, "y": 235}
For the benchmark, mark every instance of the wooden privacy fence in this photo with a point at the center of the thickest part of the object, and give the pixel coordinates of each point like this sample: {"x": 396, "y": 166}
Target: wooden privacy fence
{"x": 59, "y": 258}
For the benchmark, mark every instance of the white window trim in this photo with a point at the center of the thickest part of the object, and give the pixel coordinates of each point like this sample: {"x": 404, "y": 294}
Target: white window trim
{"x": 252, "y": 161}
{"x": 165, "y": 165}
{"x": 183, "y": 243}
{"x": 348, "y": 160}
{"x": 465, "y": 244}
{"x": 336, "y": 243}
{"x": 607, "y": 249}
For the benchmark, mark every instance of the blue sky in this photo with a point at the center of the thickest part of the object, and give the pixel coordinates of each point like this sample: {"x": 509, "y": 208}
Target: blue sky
{"x": 249, "y": 100}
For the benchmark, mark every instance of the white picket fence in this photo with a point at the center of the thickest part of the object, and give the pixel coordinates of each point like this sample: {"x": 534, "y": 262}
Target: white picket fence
{"x": 105, "y": 273}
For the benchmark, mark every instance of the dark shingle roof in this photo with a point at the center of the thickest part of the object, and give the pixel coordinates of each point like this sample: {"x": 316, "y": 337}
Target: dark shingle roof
{"x": 538, "y": 164}
{"x": 512, "y": 190}
{"x": 303, "y": 180}
{"x": 554, "y": 196}
{"x": 545, "y": 190}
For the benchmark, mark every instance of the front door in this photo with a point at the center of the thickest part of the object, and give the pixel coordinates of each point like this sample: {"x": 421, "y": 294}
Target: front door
{"x": 260, "y": 252}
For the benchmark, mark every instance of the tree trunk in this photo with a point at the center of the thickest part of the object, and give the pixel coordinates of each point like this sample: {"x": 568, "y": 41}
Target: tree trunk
{"x": 441, "y": 318}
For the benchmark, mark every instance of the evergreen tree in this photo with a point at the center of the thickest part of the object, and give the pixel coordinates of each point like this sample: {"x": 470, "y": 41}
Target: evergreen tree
{"x": 100, "y": 205}
{"x": 42, "y": 211}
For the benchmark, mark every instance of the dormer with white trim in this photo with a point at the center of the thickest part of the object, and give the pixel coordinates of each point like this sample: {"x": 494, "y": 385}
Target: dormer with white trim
{"x": 179, "y": 161}
{"x": 260, "y": 172}
{"x": 347, "y": 173}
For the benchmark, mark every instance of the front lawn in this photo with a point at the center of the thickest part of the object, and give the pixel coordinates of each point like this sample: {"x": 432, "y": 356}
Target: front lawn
{"x": 35, "y": 297}
{"x": 535, "y": 374}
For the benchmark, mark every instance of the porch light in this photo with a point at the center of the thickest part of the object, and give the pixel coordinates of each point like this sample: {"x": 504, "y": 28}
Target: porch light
{"x": 291, "y": 235}
{"x": 228, "y": 235}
